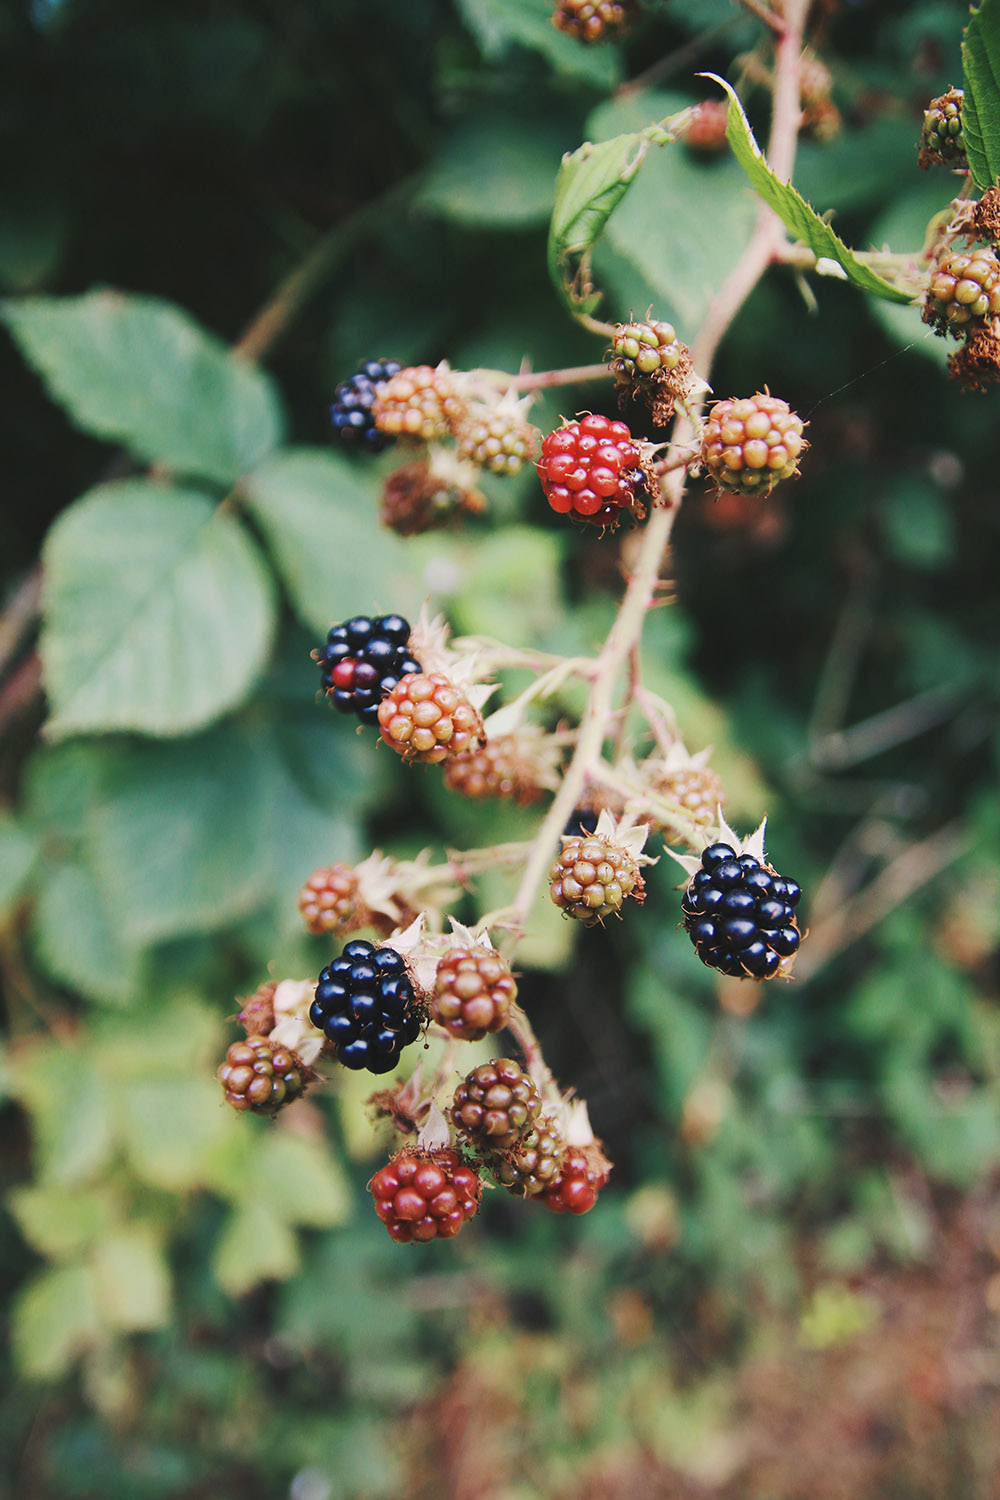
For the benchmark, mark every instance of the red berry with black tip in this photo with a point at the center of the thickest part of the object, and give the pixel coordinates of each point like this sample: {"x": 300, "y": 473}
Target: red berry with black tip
{"x": 364, "y": 659}
{"x": 425, "y": 1195}
{"x": 593, "y": 471}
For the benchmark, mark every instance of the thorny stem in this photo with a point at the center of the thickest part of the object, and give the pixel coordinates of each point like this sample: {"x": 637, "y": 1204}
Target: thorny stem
{"x": 542, "y": 380}
{"x": 640, "y": 594}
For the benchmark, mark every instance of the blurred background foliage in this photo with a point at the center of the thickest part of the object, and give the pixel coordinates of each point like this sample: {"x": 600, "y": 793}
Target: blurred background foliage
{"x": 792, "y": 1286}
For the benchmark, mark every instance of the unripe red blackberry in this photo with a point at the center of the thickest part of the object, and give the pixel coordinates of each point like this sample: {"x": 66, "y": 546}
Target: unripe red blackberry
{"x": 426, "y": 717}
{"x": 329, "y": 901}
{"x": 473, "y": 993}
{"x": 706, "y": 130}
{"x": 592, "y": 877}
{"x": 351, "y": 413}
{"x": 964, "y": 290}
{"x": 750, "y": 443}
{"x": 362, "y": 660}
{"x": 594, "y": 20}
{"x": 261, "y": 1076}
{"x": 740, "y": 914}
{"x": 495, "y": 1106}
{"x": 502, "y": 767}
{"x": 583, "y": 1173}
{"x": 499, "y": 440}
{"x": 425, "y": 1195}
{"x": 942, "y": 142}
{"x": 420, "y": 403}
{"x": 592, "y": 470}
{"x": 533, "y": 1163}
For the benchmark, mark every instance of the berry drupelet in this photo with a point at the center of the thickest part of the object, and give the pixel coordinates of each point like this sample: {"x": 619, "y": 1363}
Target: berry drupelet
{"x": 740, "y": 914}
{"x": 363, "y": 660}
{"x": 351, "y": 414}
{"x": 366, "y": 1008}
{"x": 421, "y": 1195}
{"x": 592, "y": 470}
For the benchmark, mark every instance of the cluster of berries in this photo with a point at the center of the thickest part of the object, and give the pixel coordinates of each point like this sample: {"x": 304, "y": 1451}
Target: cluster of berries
{"x": 595, "y": 471}
{"x": 594, "y": 20}
{"x": 592, "y": 877}
{"x": 363, "y": 660}
{"x": 650, "y": 364}
{"x": 366, "y": 1007}
{"x": 740, "y": 914}
{"x": 942, "y": 142}
{"x": 749, "y": 444}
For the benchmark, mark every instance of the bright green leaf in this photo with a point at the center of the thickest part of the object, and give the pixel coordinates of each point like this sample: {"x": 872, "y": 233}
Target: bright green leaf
{"x": 171, "y": 1128}
{"x": 299, "y": 1179}
{"x": 18, "y": 852}
{"x": 794, "y": 212}
{"x": 981, "y": 105}
{"x": 55, "y": 1318}
{"x": 62, "y": 783}
{"x": 158, "y": 612}
{"x": 181, "y": 837}
{"x": 75, "y": 942}
{"x": 140, "y": 372}
{"x": 132, "y": 1280}
{"x": 57, "y": 1222}
{"x": 256, "y": 1245}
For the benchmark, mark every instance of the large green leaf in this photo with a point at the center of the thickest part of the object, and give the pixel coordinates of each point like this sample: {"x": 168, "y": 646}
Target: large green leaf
{"x": 132, "y": 1280}
{"x": 70, "y": 1145}
{"x": 18, "y": 852}
{"x": 320, "y": 518}
{"x": 659, "y": 249}
{"x": 74, "y": 940}
{"x": 60, "y": 1223}
{"x": 159, "y": 611}
{"x": 140, "y": 372}
{"x": 256, "y": 1245}
{"x": 792, "y": 209}
{"x": 495, "y": 170}
{"x": 981, "y": 106}
{"x": 181, "y": 836}
{"x": 55, "y": 1318}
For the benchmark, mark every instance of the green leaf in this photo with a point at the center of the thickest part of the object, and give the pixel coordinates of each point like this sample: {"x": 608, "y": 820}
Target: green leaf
{"x": 792, "y": 209}
{"x": 159, "y": 612}
{"x": 655, "y": 251}
{"x": 591, "y": 183}
{"x": 18, "y": 852}
{"x": 131, "y": 1279}
{"x": 171, "y": 1128}
{"x": 55, "y": 1319}
{"x": 181, "y": 835}
{"x": 59, "y": 1223}
{"x": 320, "y": 520}
{"x": 495, "y": 171}
{"x": 497, "y": 24}
{"x": 71, "y": 1144}
{"x": 256, "y": 1245}
{"x": 299, "y": 1180}
{"x": 981, "y": 105}
{"x": 76, "y": 943}
{"x": 140, "y": 372}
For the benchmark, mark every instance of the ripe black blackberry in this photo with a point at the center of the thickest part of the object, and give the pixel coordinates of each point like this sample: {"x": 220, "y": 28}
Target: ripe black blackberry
{"x": 366, "y": 1008}
{"x": 351, "y": 413}
{"x": 582, "y": 821}
{"x": 363, "y": 660}
{"x": 740, "y": 914}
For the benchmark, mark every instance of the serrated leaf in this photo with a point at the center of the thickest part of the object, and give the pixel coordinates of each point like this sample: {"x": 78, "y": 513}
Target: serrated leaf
{"x": 131, "y": 1279}
{"x": 591, "y": 183}
{"x": 256, "y": 1245}
{"x": 320, "y": 519}
{"x": 792, "y": 209}
{"x": 159, "y": 612}
{"x": 18, "y": 852}
{"x": 55, "y": 1319}
{"x": 652, "y": 252}
{"x": 138, "y": 371}
{"x": 59, "y": 1223}
{"x": 981, "y": 105}
{"x": 181, "y": 835}
{"x": 74, "y": 941}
